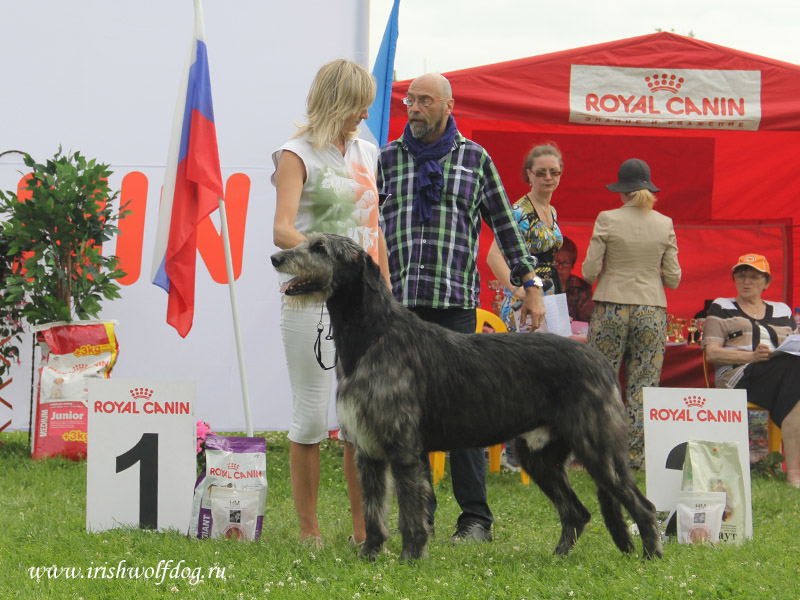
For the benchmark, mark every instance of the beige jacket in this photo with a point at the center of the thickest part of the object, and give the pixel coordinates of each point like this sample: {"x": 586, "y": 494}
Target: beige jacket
{"x": 633, "y": 254}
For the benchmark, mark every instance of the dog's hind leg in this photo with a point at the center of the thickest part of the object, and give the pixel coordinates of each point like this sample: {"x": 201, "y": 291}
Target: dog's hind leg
{"x": 617, "y": 487}
{"x": 644, "y": 514}
{"x": 545, "y": 466}
{"x": 373, "y": 486}
{"x": 414, "y": 493}
{"x": 614, "y": 519}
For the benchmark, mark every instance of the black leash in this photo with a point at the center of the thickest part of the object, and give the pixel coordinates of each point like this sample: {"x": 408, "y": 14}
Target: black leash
{"x": 318, "y": 343}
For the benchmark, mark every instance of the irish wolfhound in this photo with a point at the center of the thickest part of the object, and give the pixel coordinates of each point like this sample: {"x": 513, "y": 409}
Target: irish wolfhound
{"x": 406, "y": 387}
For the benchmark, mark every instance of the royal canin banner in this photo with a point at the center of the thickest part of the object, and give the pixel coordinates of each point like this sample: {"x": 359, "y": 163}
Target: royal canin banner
{"x": 675, "y": 98}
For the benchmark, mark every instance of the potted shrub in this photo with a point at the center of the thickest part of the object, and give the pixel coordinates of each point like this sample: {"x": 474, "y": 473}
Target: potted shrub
{"x": 56, "y": 231}
{"x": 55, "y": 273}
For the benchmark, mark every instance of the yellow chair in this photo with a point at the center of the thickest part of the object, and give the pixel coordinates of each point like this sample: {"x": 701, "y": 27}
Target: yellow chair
{"x": 774, "y": 438}
{"x": 484, "y": 317}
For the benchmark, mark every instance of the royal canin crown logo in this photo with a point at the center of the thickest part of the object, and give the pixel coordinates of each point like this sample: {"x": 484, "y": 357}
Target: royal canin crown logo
{"x": 233, "y": 466}
{"x": 698, "y": 401}
{"x": 664, "y": 82}
{"x": 141, "y": 393}
{"x": 80, "y": 367}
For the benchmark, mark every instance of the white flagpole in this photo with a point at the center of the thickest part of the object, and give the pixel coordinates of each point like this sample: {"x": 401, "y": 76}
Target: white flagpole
{"x": 226, "y": 243}
{"x": 235, "y": 310}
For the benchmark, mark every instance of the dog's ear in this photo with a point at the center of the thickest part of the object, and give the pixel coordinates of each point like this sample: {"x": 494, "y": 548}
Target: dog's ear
{"x": 342, "y": 247}
{"x": 371, "y": 273}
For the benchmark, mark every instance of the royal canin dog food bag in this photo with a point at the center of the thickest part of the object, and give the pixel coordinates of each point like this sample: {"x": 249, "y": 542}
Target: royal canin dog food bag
{"x": 230, "y": 495}
{"x": 72, "y": 354}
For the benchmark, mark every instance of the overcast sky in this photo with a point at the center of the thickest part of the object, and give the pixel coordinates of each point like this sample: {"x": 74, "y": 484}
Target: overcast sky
{"x": 445, "y": 35}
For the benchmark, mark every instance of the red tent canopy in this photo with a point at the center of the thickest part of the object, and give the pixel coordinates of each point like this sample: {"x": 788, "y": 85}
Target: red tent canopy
{"x": 719, "y": 128}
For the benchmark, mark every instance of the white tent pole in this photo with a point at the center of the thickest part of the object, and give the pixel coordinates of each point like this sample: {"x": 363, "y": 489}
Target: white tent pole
{"x": 235, "y": 310}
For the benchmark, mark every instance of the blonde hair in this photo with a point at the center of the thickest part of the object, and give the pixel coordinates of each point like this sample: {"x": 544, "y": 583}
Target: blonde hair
{"x": 641, "y": 198}
{"x": 340, "y": 90}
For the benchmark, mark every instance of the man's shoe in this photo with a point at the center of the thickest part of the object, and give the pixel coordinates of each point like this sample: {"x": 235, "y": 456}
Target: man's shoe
{"x": 471, "y": 531}
{"x": 508, "y": 461}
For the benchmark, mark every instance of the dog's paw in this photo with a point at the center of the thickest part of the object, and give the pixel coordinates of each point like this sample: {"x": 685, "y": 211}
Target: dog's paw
{"x": 370, "y": 552}
{"x": 413, "y": 554}
{"x": 656, "y": 552}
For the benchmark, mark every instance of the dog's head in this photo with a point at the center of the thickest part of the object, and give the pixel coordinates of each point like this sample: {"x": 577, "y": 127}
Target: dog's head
{"x": 322, "y": 264}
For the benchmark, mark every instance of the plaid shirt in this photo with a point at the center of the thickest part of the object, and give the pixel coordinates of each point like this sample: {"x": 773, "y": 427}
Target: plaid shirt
{"x": 434, "y": 264}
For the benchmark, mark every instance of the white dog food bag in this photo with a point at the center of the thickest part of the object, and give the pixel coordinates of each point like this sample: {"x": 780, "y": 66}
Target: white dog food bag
{"x": 715, "y": 467}
{"x": 700, "y": 517}
{"x": 234, "y": 513}
{"x": 230, "y": 494}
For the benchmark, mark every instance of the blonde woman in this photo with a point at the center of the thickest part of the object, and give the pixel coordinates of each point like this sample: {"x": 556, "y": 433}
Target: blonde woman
{"x": 632, "y": 255}
{"x": 325, "y": 181}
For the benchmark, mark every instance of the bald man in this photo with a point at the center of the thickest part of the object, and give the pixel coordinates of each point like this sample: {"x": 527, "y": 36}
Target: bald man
{"x": 438, "y": 185}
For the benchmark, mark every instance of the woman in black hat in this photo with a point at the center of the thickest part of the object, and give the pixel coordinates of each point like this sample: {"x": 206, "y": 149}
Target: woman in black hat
{"x": 632, "y": 255}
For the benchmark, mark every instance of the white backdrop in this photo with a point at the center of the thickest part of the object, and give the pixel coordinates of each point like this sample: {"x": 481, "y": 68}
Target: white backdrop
{"x": 102, "y": 77}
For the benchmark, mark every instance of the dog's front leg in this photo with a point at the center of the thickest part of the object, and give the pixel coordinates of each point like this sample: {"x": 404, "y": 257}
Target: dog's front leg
{"x": 414, "y": 492}
{"x": 373, "y": 486}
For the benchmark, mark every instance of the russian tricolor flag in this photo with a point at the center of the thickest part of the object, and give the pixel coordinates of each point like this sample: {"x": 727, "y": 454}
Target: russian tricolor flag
{"x": 192, "y": 184}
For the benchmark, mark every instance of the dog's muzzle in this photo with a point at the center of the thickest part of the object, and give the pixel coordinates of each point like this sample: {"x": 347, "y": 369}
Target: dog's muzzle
{"x": 277, "y": 259}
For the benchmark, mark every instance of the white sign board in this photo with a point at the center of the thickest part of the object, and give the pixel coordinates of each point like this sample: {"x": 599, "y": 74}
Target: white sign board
{"x": 671, "y": 417}
{"x": 672, "y": 98}
{"x": 141, "y": 461}
{"x": 125, "y": 120}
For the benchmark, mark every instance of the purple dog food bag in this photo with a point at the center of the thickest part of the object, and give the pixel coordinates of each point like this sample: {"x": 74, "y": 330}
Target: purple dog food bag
{"x": 237, "y": 465}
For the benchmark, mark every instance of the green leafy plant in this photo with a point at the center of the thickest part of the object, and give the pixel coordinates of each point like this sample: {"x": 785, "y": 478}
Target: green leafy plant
{"x": 10, "y": 317}
{"x": 769, "y": 467}
{"x": 54, "y": 235}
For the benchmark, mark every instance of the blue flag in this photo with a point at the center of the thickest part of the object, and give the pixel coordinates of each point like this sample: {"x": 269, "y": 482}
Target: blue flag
{"x": 383, "y": 71}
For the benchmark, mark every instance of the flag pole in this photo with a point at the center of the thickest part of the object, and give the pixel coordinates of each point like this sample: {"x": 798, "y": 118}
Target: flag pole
{"x": 226, "y": 244}
{"x": 223, "y": 217}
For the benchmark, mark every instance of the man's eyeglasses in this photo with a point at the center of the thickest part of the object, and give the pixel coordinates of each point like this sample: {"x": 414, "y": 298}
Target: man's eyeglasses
{"x": 563, "y": 263}
{"x": 543, "y": 173}
{"x": 423, "y": 102}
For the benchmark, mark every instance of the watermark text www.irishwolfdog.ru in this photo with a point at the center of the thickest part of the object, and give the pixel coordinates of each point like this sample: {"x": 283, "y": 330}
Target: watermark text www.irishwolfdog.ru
{"x": 164, "y": 571}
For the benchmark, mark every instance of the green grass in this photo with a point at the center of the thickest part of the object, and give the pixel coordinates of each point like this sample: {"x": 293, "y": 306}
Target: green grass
{"x": 42, "y": 523}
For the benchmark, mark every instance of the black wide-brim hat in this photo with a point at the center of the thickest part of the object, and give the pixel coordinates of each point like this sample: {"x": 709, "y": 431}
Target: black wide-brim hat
{"x": 633, "y": 175}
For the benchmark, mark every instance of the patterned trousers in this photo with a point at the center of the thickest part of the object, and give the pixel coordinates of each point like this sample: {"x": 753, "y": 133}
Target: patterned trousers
{"x": 637, "y": 334}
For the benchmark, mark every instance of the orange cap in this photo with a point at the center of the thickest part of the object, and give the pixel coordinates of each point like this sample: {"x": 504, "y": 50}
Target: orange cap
{"x": 758, "y": 262}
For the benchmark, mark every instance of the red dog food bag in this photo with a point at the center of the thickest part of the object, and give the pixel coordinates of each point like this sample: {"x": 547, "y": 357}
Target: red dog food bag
{"x": 72, "y": 354}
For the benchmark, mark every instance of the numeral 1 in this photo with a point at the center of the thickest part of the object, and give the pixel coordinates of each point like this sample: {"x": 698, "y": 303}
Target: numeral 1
{"x": 145, "y": 452}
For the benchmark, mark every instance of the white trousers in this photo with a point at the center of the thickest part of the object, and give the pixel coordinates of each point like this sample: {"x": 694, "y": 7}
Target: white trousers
{"x": 311, "y": 385}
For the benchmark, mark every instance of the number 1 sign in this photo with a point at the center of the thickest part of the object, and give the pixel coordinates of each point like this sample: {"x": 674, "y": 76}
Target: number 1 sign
{"x": 141, "y": 463}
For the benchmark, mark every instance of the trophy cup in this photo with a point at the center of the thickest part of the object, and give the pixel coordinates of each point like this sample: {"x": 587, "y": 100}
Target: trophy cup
{"x": 693, "y": 333}
{"x": 497, "y": 288}
{"x": 679, "y": 325}
{"x": 670, "y": 327}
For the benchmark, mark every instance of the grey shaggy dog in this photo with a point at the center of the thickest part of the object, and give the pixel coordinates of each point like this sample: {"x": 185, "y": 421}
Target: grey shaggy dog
{"x": 407, "y": 387}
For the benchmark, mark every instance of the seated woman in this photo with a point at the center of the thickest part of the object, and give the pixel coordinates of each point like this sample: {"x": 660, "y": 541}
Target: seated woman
{"x": 579, "y": 293}
{"x": 740, "y": 337}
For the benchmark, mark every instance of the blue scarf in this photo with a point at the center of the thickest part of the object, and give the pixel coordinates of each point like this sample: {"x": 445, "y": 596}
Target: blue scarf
{"x": 430, "y": 177}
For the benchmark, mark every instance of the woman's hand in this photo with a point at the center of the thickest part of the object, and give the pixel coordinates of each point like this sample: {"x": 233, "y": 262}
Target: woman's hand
{"x": 762, "y": 353}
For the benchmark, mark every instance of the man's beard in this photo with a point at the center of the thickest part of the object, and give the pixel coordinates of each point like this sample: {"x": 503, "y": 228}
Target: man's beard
{"x": 420, "y": 129}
